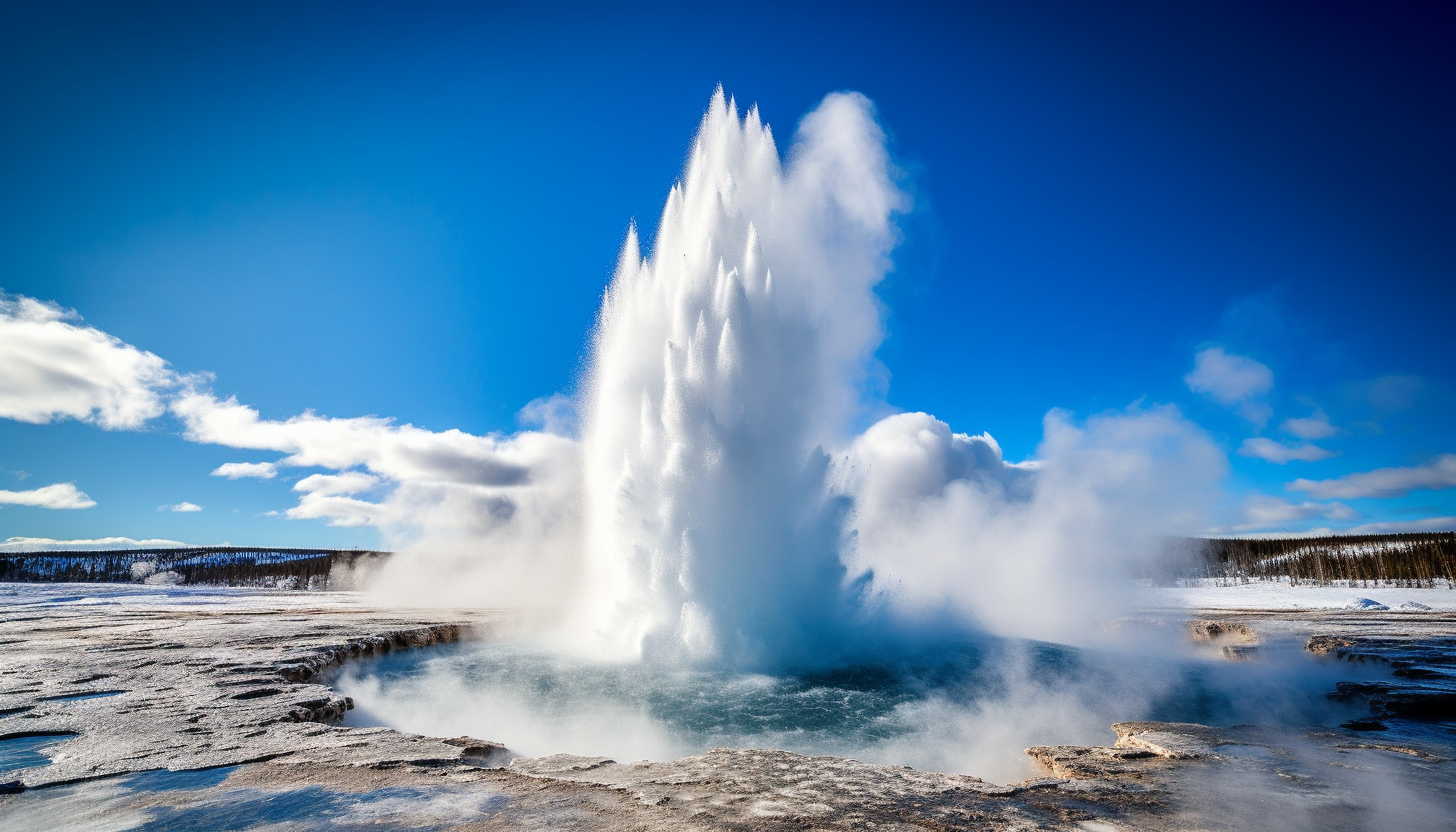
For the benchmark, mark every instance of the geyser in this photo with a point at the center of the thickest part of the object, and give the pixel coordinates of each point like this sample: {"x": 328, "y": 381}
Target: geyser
{"x": 746, "y": 550}
{"x": 732, "y": 501}
{"x": 725, "y": 364}
{"x": 733, "y": 514}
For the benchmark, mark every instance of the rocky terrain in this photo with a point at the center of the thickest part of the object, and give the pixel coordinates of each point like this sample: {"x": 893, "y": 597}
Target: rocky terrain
{"x": 171, "y": 708}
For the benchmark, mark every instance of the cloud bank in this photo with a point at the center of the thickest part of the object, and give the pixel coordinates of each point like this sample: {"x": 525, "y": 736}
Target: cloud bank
{"x": 42, "y": 544}
{"x": 62, "y": 495}
{"x": 1438, "y": 474}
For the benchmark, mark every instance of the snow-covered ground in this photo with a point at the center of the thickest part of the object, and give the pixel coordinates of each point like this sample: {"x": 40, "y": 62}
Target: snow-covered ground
{"x": 172, "y": 597}
{"x": 1279, "y": 595}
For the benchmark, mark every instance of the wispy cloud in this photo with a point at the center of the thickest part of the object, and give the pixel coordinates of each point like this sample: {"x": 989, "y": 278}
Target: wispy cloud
{"x": 1315, "y": 426}
{"x": 54, "y": 367}
{"x": 241, "y": 470}
{"x": 448, "y": 479}
{"x": 1232, "y": 380}
{"x": 1383, "y": 482}
{"x": 1261, "y": 511}
{"x": 41, "y": 544}
{"x": 184, "y": 507}
{"x": 349, "y": 482}
{"x": 1394, "y": 392}
{"x": 60, "y": 495}
{"x": 1280, "y": 453}
{"x": 1425, "y": 524}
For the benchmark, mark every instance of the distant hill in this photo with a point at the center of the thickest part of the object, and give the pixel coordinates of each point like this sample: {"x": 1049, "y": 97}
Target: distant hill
{"x": 217, "y": 565}
{"x": 1417, "y": 559}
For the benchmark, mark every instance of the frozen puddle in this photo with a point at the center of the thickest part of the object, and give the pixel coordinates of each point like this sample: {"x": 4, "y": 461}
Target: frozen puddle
{"x": 26, "y": 749}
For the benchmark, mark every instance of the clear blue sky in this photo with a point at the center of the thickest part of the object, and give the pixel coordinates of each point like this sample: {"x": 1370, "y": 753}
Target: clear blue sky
{"x": 410, "y": 211}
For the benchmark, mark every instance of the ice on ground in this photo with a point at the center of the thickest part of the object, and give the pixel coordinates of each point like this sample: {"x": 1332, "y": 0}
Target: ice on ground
{"x": 168, "y": 578}
{"x": 1280, "y": 595}
{"x": 1365, "y": 604}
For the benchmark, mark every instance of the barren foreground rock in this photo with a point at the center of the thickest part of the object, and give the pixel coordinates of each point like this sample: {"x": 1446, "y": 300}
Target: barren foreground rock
{"x": 133, "y": 708}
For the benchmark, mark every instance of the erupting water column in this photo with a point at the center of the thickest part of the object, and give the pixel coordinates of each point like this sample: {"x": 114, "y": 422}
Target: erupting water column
{"x": 725, "y": 364}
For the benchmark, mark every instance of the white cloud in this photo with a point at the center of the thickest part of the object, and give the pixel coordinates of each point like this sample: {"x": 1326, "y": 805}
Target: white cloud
{"x": 42, "y": 544}
{"x": 1425, "y": 524}
{"x": 1383, "y": 482}
{"x": 54, "y": 367}
{"x": 1280, "y": 453}
{"x": 501, "y": 515}
{"x": 396, "y": 452}
{"x": 330, "y": 485}
{"x": 1261, "y": 511}
{"x": 240, "y": 470}
{"x": 184, "y": 507}
{"x": 59, "y": 495}
{"x": 1232, "y": 380}
{"x": 1315, "y": 426}
{"x": 326, "y": 497}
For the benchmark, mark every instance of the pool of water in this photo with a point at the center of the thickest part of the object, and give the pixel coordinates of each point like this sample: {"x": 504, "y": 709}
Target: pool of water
{"x": 82, "y": 696}
{"x": 970, "y": 708}
{"x": 28, "y": 751}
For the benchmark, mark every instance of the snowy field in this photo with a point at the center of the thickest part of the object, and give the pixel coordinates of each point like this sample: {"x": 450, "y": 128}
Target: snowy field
{"x": 1279, "y": 595}
{"x": 131, "y": 596}
{"x": 1196, "y": 594}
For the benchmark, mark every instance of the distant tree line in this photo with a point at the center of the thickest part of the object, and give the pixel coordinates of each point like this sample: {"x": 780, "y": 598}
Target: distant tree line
{"x": 1417, "y": 559}
{"x": 218, "y": 565}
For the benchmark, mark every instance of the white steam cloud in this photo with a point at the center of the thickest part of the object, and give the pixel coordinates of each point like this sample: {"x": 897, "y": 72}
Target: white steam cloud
{"x": 943, "y": 524}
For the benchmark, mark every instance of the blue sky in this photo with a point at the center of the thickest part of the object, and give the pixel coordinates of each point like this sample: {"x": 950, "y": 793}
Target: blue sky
{"x": 412, "y": 213}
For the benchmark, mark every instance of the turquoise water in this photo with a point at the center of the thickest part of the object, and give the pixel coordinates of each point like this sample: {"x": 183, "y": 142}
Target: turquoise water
{"x": 970, "y": 707}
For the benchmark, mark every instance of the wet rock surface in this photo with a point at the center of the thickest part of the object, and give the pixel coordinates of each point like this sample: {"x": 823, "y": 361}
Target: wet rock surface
{"x": 1422, "y": 684}
{"x": 164, "y": 708}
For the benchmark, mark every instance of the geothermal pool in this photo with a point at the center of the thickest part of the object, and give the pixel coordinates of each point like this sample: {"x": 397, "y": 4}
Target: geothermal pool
{"x": 967, "y": 708}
